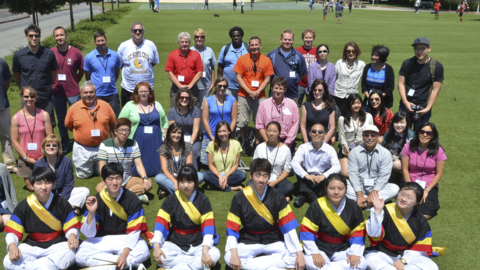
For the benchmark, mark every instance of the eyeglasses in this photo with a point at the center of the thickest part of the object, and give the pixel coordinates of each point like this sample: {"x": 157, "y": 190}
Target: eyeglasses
{"x": 118, "y": 178}
{"x": 428, "y": 133}
{"x": 375, "y": 99}
{"x": 222, "y": 86}
{"x": 314, "y": 131}
{"x": 322, "y": 51}
{"x": 32, "y": 36}
{"x": 29, "y": 96}
{"x": 51, "y": 145}
{"x": 123, "y": 131}
{"x": 409, "y": 198}
{"x": 185, "y": 98}
{"x": 318, "y": 90}
{"x": 137, "y": 30}
{"x": 351, "y": 51}
{"x": 199, "y": 36}
{"x": 370, "y": 135}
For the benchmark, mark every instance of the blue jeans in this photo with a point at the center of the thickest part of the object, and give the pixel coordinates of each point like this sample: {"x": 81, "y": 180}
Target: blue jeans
{"x": 233, "y": 180}
{"x": 164, "y": 183}
{"x": 423, "y": 119}
{"x": 285, "y": 187}
{"x": 60, "y": 105}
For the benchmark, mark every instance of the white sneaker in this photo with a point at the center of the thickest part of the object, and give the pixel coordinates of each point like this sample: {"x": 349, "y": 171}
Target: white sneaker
{"x": 143, "y": 198}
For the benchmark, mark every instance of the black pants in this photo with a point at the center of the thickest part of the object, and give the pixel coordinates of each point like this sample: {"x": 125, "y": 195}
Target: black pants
{"x": 114, "y": 102}
{"x": 126, "y": 96}
{"x": 307, "y": 188}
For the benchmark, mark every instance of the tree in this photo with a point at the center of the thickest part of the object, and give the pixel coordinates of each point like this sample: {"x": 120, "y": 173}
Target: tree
{"x": 90, "y": 3}
{"x": 72, "y": 21}
{"x": 112, "y": 4}
{"x": 34, "y": 7}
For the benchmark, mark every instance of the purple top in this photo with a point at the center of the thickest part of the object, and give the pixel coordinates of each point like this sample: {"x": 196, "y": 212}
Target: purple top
{"x": 315, "y": 72}
{"x": 421, "y": 166}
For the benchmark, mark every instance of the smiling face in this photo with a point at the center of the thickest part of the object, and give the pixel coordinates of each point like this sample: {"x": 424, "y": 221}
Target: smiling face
{"x": 186, "y": 186}
{"x": 322, "y": 53}
{"x": 88, "y": 95}
{"x": 184, "y": 44}
{"x": 260, "y": 180}
{"x": 317, "y": 133}
{"x": 137, "y": 32}
{"x": 255, "y": 47}
{"x": 308, "y": 40}
{"x": 287, "y": 41}
{"x": 278, "y": 91}
{"x": 43, "y": 189}
{"x": 273, "y": 133}
{"x": 318, "y": 92}
{"x": 336, "y": 191}
{"x": 199, "y": 39}
{"x": 143, "y": 94}
{"x": 222, "y": 88}
{"x": 60, "y": 37}
{"x": 176, "y": 135}
{"x": 33, "y": 38}
{"x": 223, "y": 134}
{"x": 400, "y": 126}
{"x": 184, "y": 99}
{"x": 375, "y": 58}
{"x": 425, "y": 135}
{"x": 351, "y": 53}
{"x": 113, "y": 184}
{"x": 101, "y": 43}
{"x": 375, "y": 101}
{"x": 406, "y": 199}
{"x": 51, "y": 148}
{"x": 356, "y": 106}
{"x": 370, "y": 139}
{"x": 29, "y": 99}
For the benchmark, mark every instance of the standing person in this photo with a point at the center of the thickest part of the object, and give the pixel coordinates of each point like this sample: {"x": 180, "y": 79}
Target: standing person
{"x": 331, "y": 6}
{"x": 340, "y": 12}
{"x": 149, "y": 125}
{"x": 437, "y": 6}
{"x": 462, "y": 10}
{"x": 419, "y": 82}
{"x": 228, "y": 57}
{"x": 36, "y": 66}
{"x": 91, "y": 121}
{"x": 381, "y": 116}
{"x": 252, "y": 2}
{"x": 288, "y": 63}
{"x": 336, "y": 8}
{"x": 379, "y": 76}
{"x": 243, "y": 2}
{"x": 186, "y": 59}
{"x": 5, "y": 120}
{"x": 65, "y": 88}
{"x": 31, "y": 125}
{"x": 102, "y": 68}
{"x": 138, "y": 56}
{"x": 425, "y": 146}
{"x": 254, "y": 71}
{"x": 323, "y": 70}
{"x": 417, "y": 5}
{"x": 157, "y": 6}
{"x": 310, "y": 6}
{"x": 350, "y": 7}
{"x": 325, "y": 12}
{"x": 205, "y": 5}
{"x": 309, "y": 52}
{"x": 234, "y": 8}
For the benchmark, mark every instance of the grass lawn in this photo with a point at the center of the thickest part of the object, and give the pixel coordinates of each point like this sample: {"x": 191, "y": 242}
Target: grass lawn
{"x": 452, "y": 45}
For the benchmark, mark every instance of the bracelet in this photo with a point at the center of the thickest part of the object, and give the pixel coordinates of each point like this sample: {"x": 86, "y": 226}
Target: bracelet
{"x": 427, "y": 188}
{"x": 25, "y": 158}
{"x": 145, "y": 178}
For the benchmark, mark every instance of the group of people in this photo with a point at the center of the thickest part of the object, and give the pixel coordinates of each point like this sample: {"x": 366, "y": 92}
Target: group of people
{"x": 377, "y": 159}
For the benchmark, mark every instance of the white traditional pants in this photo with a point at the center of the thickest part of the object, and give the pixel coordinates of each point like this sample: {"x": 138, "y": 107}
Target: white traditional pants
{"x": 388, "y": 192}
{"x": 109, "y": 248}
{"x": 178, "y": 259}
{"x": 272, "y": 256}
{"x": 85, "y": 160}
{"x": 337, "y": 262}
{"x": 56, "y": 257}
{"x": 79, "y": 196}
{"x": 377, "y": 260}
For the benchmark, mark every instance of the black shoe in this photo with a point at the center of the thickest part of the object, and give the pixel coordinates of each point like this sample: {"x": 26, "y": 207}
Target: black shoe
{"x": 299, "y": 201}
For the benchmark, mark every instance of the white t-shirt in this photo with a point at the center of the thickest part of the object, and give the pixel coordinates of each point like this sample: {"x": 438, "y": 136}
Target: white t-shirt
{"x": 137, "y": 63}
{"x": 242, "y": 2}
{"x": 282, "y": 160}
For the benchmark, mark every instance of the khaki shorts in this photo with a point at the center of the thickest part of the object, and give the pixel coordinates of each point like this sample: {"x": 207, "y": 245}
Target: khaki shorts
{"x": 340, "y": 14}
{"x": 24, "y": 169}
{"x": 245, "y": 107}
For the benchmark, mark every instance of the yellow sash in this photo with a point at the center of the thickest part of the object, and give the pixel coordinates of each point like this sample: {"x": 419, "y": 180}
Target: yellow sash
{"x": 43, "y": 214}
{"x": 189, "y": 208}
{"x": 401, "y": 223}
{"x": 333, "y": 217}
{"x": 116, "y": 208}
{"x": 259, "y": 207}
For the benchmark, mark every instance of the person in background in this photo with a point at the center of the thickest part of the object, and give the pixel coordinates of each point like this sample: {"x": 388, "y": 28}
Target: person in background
{"x": 323, "y": 70}
{"x": 310, "y": 6}
{"x": 309, "y": 52}
{"x": 396, "y": 137}
{"x": 205, "y": 5}
{"x": 331, "y": 6}
{"x": 437, "y": 6}
{"x": 5, "y": 120}
{"x": 461, "y": 11}
{"x": 350, "y": 7}
{"x": 340, "y": 12}
{"x": 381, "y": 116}
{"x": 423, "y": 161}
{"x": 30, "y": 126}
{"x": 325, "y": 12}
{"x": 417, "y": 5}
{"x": 8, "y": 196}
{"x": 63, "y": 168}
{"x": 149, "y": 125}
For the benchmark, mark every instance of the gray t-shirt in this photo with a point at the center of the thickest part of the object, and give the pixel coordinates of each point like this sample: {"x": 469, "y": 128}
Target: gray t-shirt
{"x": 209, "y": 62}
{"x": 186, "y": 120}
{"x": 4, "y": 76}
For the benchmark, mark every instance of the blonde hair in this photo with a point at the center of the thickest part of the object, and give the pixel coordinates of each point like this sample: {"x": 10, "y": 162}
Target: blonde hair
{"x": 52, "y": 138}
{"x": 201, "y": 32}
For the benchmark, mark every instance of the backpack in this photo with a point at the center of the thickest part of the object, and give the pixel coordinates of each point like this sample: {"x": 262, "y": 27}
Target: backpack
{"x": 433, "y": 63}
{"x": 248, "y": 144}
{"x": 227, "y": 48}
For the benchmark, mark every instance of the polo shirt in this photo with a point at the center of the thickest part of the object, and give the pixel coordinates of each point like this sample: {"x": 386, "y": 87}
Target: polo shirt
{"x": 229, "y": 62}
{"x": 5, "y": 75}
{"x": 69, "y": 62}
{"x": 78, "y": 117}
{"x": 35, "y": 70}
{"x": 110, "y": 152}
{"x": 100, "y": 67}
{"x": 246, "y": 67}
{"x": 187, "y": 66}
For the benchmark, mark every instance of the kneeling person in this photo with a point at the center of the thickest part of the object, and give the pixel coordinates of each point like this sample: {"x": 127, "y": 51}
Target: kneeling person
{"x": 268, "y": 226}
{"x": 185, "y": 228}
{"x": 49, "y": 221}
{"x": 114, "y": 224}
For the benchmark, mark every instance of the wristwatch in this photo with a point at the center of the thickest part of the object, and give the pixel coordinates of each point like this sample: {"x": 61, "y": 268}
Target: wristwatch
{"x": 427, "y": 188}
{"x": 25, "y": 158}
{"x": 402, "y": 260}
{"x": 145, "y": 178}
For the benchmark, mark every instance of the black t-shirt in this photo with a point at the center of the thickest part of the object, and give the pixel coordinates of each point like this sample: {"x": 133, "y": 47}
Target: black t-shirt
{"x": 420, "y": 79}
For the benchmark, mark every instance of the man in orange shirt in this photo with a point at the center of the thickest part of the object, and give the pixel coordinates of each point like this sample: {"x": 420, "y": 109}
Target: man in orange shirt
{"x": 253, "y": 75}
{"x": 91, "y": 121}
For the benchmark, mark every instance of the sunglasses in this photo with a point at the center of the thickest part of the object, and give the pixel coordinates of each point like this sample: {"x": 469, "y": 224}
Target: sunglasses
{"x": 137, "y": 30}
{"x": 314, "y": 131}
{"x": 351, "y": 51}
{"x": 375, "y": 99}
{"x": 318, "y": 90}
{"x": 423, "y": 132}
{"x": 51, "y": 145}
{"x": 370, "y": 135}
{"x": 322, "y": 51}
{"x": 222, "y": 86}
{"x": 185, "y": 98}
{"x": 27, "y": 96}
{"x": 31, "y": 36}
{"x": 199, "y": 36}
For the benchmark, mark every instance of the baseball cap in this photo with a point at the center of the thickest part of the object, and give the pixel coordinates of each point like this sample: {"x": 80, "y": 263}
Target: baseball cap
{"x": 421, "y": 40}
{"x": 371, "y": 128}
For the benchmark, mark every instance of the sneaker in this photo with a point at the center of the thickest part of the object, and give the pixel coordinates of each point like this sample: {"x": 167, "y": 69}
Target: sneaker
{"x": 143, "y": 198}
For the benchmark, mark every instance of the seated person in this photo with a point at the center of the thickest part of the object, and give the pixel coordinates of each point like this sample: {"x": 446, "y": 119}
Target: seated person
{"x": 50, "y": 223}
{"x": 189, "y": 242}
{"x": 268, "y": 239}
{"x": 399, "y": 234}
{"x": 314, "y": 162}
{"x": 332, "y": 230}
{"x": 114, "y": 224}
{"x": 382, "y": 116}
{"x": 278, "y": 154}
{"x": 223, "y": 159}
{"x": 62, "y": 166}
{"x": 125, "y": 151}
{"x": 396, "y": 137}
{"x": 174, "y": 154}
{"x": 369, "y": 168}
{"x": 8, "y": 196}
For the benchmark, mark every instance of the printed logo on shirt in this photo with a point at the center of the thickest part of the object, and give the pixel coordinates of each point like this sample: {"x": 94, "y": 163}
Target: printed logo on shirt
{"x": 309, "y": 59}
{"x": 69, "y": 61}
{"x": 260, "y": 70}
{"x": 139, "y": 61}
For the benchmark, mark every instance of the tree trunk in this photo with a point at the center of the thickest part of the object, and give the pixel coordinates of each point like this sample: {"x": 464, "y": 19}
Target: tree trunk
{"x": 91, "y": 12}
{"x": 112, "y": 4}
{"x": 33, "y": 13}
{"x": 118, "y": 3}
{"x": 37, "y": 20}
{"x": 71, "y": 18}
{"x": 103, "y": 7}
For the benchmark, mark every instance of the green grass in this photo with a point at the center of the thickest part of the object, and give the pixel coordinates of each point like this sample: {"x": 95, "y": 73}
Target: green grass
{"x": 453, "y": 44}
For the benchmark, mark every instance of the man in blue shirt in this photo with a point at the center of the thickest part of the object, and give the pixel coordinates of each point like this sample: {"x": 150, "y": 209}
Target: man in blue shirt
{"x": 102, "y": 67}
{"x": 340, "y": 12}
{"x": 288, "y": 63}
{"x": 228, "y": 59}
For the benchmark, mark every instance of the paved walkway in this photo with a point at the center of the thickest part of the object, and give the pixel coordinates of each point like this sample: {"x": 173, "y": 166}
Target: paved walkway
{"x": 6, "y": 16}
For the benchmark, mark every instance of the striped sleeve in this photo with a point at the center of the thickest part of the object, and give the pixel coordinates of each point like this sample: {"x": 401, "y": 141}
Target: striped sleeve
{"x": 136, "y": 151}
{"x": 162, "y": 222}
{"x": 310, "y": 224}
{"x": 423, "y": 244}
{"x": 233, "y": 220}
{"x": 137, "y": 222}
{"x": 15, "y": 226}
{"x": 357, "y": 235}
{"x": 71, "y": 222}
{"x": 286, "y": 220}
{"x": 102, "y": 153}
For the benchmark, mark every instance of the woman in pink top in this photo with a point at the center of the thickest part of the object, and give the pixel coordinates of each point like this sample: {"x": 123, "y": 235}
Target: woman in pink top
{"x": 423, "y": 160}
{"x": 32, "y": 125}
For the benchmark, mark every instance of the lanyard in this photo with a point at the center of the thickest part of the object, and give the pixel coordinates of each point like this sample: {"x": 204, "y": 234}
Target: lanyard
{"x": 124, "y": 154}
{"x": 176, "y": 164}
{"x": 369, "y": 165}
{"x": 224, "y": 161}
{"x": 424, "y": 163}
{"x": 285, "y": 60}
{"x": 148, "y": 112}
{"x": 66, "y": 54}
{"x": 223, "y": 106}
{"x": 34, "y": 123}
{"x": 255, "y": 67}
{"x": 94, "y": 117}
{"x": 266, "y": 153}
{"x": 104, "y": 66}
{"x": 186, "y": 63}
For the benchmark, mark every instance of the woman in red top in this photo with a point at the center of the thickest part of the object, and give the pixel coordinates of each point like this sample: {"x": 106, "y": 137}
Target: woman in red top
{"x": 382, "y": 116}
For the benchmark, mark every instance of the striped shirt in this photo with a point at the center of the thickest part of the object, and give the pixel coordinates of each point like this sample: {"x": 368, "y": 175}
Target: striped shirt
{"x": 125, "y": 155}
{"x": 375, "y": 79}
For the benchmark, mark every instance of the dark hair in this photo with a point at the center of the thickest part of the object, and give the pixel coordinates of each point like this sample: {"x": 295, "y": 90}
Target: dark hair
{"x": 236, "y": 28}
{"x": 323, "y": 45}
{"x": 34, "y": 28}
{"x": 326, "y": 97}
{"x": 434, "y": 143}
{"x": 136, "y": 99}
{"x": 346, "y": 110}
{"x": 99, "y": 34}
{"x": 415, "y": 187}
{"x": 188, "y": 172}
{"x": 58, "y": 28}
{"x": 388, "y": 139}
{"x": 217, "y": 81}
{"x": 333, "y": 177}
{"x": 280, "y": 81}
{"x": 112, "y": 168}
{"x": 42, "y": 174}
{"x": 255, "y": 37}
{"x": 382, "y": 52}
{"x": 168, "y": 140}
{"x": 383, "y": 110}
{"x": 177, "y": 98}
{"x": 355, "y": 46}
{"x": 217, "y": 141}
{"x": 260, "y": 165}
{"x": 123, "y": 122}
{"x": 279, "y": 127}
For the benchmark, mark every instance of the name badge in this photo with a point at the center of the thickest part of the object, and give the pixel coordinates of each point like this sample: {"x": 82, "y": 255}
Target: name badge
{"x": 148, "y": 130}
{"x": 411, "y": 92}
{"x": 95, "y": 132}
{"x": 204, "y": 74}
{"x": 62, "y": 77}
{"x": 4, "y": 204}
{"x": 106, "y": 79}
{"x": 255, "y": 83}
{"x": 222, "y": 174}
{"x": 32, "y": 147}
{"x": 187, "y": 138}
{"x": 286, "y": 111}
{"x": 369, "y": 182}
{"x": 292, "y": 74}
{"x": 423, "y": 184}
{"x": 181, "y": 78}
